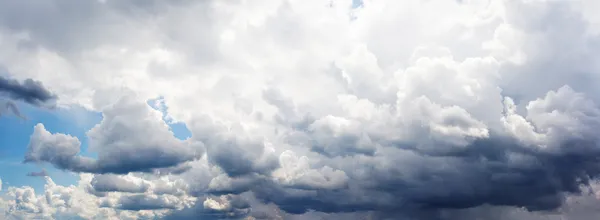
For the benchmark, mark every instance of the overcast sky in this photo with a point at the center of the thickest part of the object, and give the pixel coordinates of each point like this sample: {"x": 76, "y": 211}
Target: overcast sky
{"x": 300, "y": 109}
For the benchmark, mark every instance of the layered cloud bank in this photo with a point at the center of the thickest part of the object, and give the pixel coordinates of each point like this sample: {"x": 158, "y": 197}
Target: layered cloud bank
{"x": 315, "y": 109}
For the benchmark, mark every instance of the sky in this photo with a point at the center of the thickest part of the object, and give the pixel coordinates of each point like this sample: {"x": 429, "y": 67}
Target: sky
{"x": 300, "y": 109}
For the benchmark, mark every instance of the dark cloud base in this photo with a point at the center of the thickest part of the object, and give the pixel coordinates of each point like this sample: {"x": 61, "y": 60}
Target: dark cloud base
{"x": 30, "y": 91}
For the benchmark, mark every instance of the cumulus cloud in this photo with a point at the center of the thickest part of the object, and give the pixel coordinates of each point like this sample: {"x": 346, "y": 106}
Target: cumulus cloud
{"x": 221, "y": 207}
{"x": 311, "y": 109}
{"x": 131, "y": 137}
{"x": 75, "y": 202}
{"x": 296, "y": 172}
{"x": 149, "y": 202}
{"x": 58, "y": 149}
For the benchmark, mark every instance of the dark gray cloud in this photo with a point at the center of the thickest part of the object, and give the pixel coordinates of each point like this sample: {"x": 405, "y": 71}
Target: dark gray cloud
{"x": 174, "y": 170}
{"x": 238, "y": 157}
{"x": 411, "y": 184}
{"x": 410, "y": 181}
{"x": 30, "y": 91}
{"x": 485, "y": 173}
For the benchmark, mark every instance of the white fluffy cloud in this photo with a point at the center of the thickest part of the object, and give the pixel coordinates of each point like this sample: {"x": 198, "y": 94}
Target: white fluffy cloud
{"x": 131, "y": 137}
{"x": 394, "y": 109}
{"x": 76, "y": 202}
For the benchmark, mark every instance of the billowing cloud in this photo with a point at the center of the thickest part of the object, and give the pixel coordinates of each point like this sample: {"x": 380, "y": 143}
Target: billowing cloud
{"x": 222, "y": 207}
{"x": 310, "y": 109}
{"x": 58, "y": 149}
{"x": 132, "y": 137}
{"x": 74, "y": 202}
{"x": 148, "y": 202}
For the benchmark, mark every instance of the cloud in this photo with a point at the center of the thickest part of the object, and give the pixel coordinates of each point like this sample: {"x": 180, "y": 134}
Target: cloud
{"x": 152, "y": 147}
{"x": 30, "y": 91}
{"x": 148, "y": 202}
{"x": 303, "y": 109}
{"x": 114, "y": 183}
{"x": 58, "y": 149}
{"x": 74, "y": 202}
{"x": 221, "y": 207}
{"x": 40, "y": 173}
{"x": 295, "y": 172}
{"x": 11, "y": 107}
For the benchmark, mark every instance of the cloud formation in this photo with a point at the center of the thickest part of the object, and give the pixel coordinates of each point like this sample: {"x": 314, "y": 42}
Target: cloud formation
{"x": 30, "y": 91}
{"x": 75, "y": 202}
{"x": 114, "y": 183}
{"x": 309, "y": 109}
{"x": 132, "y": 137}
{"x": 10, "y": 107}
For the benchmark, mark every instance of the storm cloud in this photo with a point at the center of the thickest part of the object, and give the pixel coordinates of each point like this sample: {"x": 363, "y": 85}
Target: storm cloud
{"x": 441, "y": 110}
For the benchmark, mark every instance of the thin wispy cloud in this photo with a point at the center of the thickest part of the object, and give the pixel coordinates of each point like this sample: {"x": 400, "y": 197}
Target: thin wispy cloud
{"x": 41, "y": 173}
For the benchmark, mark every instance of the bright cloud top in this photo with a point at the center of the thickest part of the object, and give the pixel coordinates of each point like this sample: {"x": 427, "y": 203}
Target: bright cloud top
{"x": 303, "y": 109}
